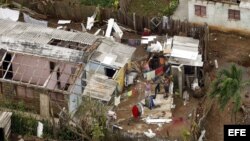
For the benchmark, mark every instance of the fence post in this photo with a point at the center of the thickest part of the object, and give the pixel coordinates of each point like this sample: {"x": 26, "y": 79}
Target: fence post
{"x": 206, "y": 38}
{"x": 134, "y": 21}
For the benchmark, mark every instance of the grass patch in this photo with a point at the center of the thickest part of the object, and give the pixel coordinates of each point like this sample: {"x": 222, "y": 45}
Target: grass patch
{"x": 150, "y": 8}
{"x": 102, "y": 3}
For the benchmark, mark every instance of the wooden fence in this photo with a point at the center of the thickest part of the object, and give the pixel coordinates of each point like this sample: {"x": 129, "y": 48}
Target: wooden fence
{"x": 124, "y": 5}
{"x": 79, "y": 13}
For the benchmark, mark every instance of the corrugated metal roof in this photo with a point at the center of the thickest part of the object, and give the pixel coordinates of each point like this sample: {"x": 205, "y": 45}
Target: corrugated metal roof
{"x": 118, "y": 52}
{"x": 185, "y": 47}
{"x": 100, "y": 87}
{"x": 47, "y": 51}
{"x": 185, "y": 51}
{"x": 40, "y": 34}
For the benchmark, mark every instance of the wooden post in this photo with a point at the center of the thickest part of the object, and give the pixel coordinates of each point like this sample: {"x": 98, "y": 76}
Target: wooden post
{"x": 134, "y": 21}
{"x": 206, "y": 38}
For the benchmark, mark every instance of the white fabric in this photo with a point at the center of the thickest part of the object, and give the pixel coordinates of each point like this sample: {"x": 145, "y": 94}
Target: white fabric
{"x": 30, "y": 20}
{"x": 40, "y": 130}
{"x": 8, "y": 14}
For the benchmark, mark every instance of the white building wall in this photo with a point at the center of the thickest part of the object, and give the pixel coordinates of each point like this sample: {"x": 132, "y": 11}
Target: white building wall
{"x": 217, "y": 15}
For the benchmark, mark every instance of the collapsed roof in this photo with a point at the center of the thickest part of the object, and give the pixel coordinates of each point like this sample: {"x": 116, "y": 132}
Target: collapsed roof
{"x": 40, "y": 41}
{"x": 54, "y": 59}
{"x": 113, "y": 54}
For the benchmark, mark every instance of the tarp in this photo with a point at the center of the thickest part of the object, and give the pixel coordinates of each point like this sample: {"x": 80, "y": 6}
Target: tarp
{"x": 31, "y": 20}
{"x": 8, "y": 14}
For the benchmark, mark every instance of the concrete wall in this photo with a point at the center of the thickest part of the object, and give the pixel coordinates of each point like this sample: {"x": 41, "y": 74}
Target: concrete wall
{"x": 29, "y": 68}
{"x": 217, "y": 15}
{"x": 44, "y": 105}
{"x": 15, "y": 93}
{"x": 37, "y": 103}
{"x": 75, "y": 98}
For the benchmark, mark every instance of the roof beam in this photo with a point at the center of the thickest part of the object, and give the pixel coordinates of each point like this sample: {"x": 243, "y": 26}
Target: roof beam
{"x": 12, "y": 58}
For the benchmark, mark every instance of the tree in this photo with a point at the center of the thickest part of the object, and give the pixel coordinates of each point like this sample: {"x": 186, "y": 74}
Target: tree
{"x": 228, "y": 87}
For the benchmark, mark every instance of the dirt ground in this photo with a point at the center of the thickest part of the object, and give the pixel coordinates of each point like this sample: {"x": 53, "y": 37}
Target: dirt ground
{"x": 227, "y": 48}
{"x": 180, "y": 115}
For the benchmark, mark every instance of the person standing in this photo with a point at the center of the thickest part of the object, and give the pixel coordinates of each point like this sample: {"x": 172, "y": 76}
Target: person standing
{"x": 158, "y": 82}
{"x": 171, "y": 85}
{"x": 166, "y": 86}
{"x": 147, "y": 89}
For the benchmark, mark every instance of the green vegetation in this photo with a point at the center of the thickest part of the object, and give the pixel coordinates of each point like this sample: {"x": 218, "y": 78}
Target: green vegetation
{"x": 27, "y": 126}
{"x": 153, "y": 8}
{"x": 228, "y": 87}
{"x": 20, "y": 105}
{"x": 92, "y": 115}
{"x": 102, "y": 3}
{"x": 169, "y": 10}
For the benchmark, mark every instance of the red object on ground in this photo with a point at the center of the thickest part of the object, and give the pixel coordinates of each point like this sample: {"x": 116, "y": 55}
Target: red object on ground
{"x": 135, "y": 112}
{"x": 145, "y": 33}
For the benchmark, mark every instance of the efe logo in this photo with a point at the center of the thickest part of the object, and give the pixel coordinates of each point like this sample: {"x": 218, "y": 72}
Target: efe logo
{"x": 236, "y": 132}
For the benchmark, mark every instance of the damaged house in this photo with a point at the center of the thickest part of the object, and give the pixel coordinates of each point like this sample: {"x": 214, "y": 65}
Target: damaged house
{"x": 230, "y": 14}
{"x": 186, "y": 61}
{"x": 45, "y": 67}
{"x": 109, "y": 60}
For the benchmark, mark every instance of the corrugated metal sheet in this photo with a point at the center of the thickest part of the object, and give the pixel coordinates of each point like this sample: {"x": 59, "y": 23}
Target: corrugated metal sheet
{"x": 100, "y": 87}
{"x": 47, "y": 51}
{"x": 185, "y": 51}
{"x": 185, "y": 47}
{"x": 119, "y": 52}
{"x": 40, "y": 34}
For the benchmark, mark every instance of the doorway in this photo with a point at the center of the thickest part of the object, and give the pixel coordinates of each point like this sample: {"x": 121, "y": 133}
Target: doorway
{"x": 110, "y": 72}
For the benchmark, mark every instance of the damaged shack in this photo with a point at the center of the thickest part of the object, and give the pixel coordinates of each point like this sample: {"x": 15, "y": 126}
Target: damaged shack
{"x": 45, "y": 67}
{"x": 110, "y": 60}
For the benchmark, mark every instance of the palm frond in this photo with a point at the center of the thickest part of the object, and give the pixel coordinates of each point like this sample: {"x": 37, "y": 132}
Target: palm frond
{"x": 227, "y": 86}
